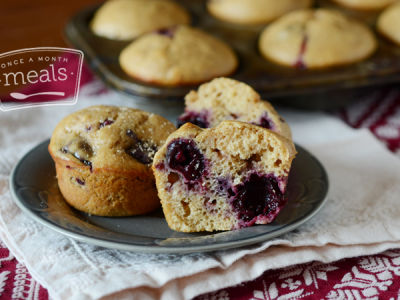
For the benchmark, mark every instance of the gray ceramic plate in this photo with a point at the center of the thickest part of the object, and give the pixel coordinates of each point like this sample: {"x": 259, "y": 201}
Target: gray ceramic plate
{"x": 34, "y": 188}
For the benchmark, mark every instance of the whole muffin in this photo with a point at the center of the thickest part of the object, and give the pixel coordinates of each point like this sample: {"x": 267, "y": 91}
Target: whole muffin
{"x": 103, "y": 157}
{"x": 127, "y": 19}
{"x": 316, "y": 38}
{"x": 389, "y": 23}
{"x": 177, "y": 56}
{"x": 222, "y": 178}
{"x": 228, "y": 99}
{"x": 365, "y": 4}
{"x": 254, "y": 11}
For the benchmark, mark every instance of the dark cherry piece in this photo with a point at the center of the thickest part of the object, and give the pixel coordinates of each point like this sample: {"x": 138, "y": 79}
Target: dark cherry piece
{"x": 140, "y": 151}
{"x": 258, "y": 195}
{"x": 83, "y": 149}
{"x": 300, "y": 64}
{"x": 265, "y": 122}
{"x": 132, "y": 135}
{"x": 184, "y": 157}
{"x": 199, "y": 119}
{"x": 84, "y": 161}
{"x": 106, "y": 122}
{"x": 169, "y": 32}
{"x": 79, "y": 181}
{"x": 140, "y": 155}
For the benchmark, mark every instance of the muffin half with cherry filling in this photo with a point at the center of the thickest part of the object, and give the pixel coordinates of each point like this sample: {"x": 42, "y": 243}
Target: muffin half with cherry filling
{"x": 103, "y": 157}
{"x": 228, "y": 99}
{"x": 227, "y": 177}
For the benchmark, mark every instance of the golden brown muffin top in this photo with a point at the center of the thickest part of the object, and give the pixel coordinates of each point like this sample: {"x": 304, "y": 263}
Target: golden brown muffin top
{"x": 110, "y": 137}
{"x": 229, "y": 99}
{"x": 127, "y": 19}
{"x": 254, "y": 11}
{"x": 180, "y": 55}
{"x": 316, "y": 38}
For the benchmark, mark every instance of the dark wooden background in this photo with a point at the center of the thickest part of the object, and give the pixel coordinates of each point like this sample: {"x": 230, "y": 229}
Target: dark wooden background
{"x": 34, "y": 23}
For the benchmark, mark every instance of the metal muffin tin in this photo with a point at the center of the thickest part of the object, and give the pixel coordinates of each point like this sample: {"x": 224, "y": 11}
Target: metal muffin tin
{"x": 325, "y": 88}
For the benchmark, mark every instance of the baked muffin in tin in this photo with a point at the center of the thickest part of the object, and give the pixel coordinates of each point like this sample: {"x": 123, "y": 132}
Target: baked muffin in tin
{"x": 388, "y": 23}
{"x": 253, "y": 11}
{"x": 128, "y": 19}
{"x": 180, "y": 55}
{"x": 365, "y": 4}
{"x": 316, "y": 38}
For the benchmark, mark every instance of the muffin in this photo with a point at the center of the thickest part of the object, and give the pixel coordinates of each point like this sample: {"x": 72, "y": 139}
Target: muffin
{"x": 255, "y": 11}
{"x": 317, "y": 38}
{"x": 365, "y": 4}
{"x": 228, "y": 99}
{"x": 177, "y": 56}
{"x": 127, "y": 19}
{"x": 222, "y": 178}
{"x": 103, "y": 157}
{"x": 389, "y": 23}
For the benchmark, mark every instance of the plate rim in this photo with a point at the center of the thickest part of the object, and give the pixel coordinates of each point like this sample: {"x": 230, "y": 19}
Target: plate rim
{"x": 160, "y": 249}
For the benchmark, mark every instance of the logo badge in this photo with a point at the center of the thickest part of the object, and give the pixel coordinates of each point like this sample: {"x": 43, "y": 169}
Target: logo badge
{"x": 39, "y": 76}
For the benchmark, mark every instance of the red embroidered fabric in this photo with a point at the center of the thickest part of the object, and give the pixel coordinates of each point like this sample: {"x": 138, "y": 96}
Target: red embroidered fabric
{"x": 368, "y": 277}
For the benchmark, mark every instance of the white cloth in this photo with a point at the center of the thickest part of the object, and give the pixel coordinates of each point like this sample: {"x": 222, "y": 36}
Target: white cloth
{"x": 360, "y": 217}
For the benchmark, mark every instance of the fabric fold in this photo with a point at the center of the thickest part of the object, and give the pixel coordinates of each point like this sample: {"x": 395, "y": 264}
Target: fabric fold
{"x": 360, "y": 217}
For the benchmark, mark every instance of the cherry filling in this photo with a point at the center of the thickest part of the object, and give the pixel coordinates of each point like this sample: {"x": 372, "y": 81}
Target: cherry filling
{"x": 79, "y": 181}
{"x": 196, "y": 118}
{"x": 258, "y": 195}
{"x": 184, "y": 157}
{"x": 169, "y": 32}
{"x": 225, "y": 187}
{"x": 265, "y": 122}
{"x": 106, "y": 122}
{"x": 300, "y": 64}
{"x": 141, "y": 151}
{"x": 81, "y": 150}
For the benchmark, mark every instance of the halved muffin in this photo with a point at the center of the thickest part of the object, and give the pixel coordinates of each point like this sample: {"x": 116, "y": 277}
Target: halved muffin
{"x": 227, "y": 177}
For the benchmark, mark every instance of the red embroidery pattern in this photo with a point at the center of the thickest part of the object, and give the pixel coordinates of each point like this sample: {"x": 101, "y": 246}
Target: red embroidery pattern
{"x": 369, "y": 277}
{"x": 15, "y": 280}
{"x": 380, "y": 112}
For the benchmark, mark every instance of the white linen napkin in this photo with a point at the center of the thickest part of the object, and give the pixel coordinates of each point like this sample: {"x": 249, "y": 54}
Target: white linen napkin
{"x": 360, "y": 217}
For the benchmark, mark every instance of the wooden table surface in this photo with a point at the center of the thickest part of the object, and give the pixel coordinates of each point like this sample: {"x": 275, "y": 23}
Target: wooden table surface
{"x": 27, "y": 23}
